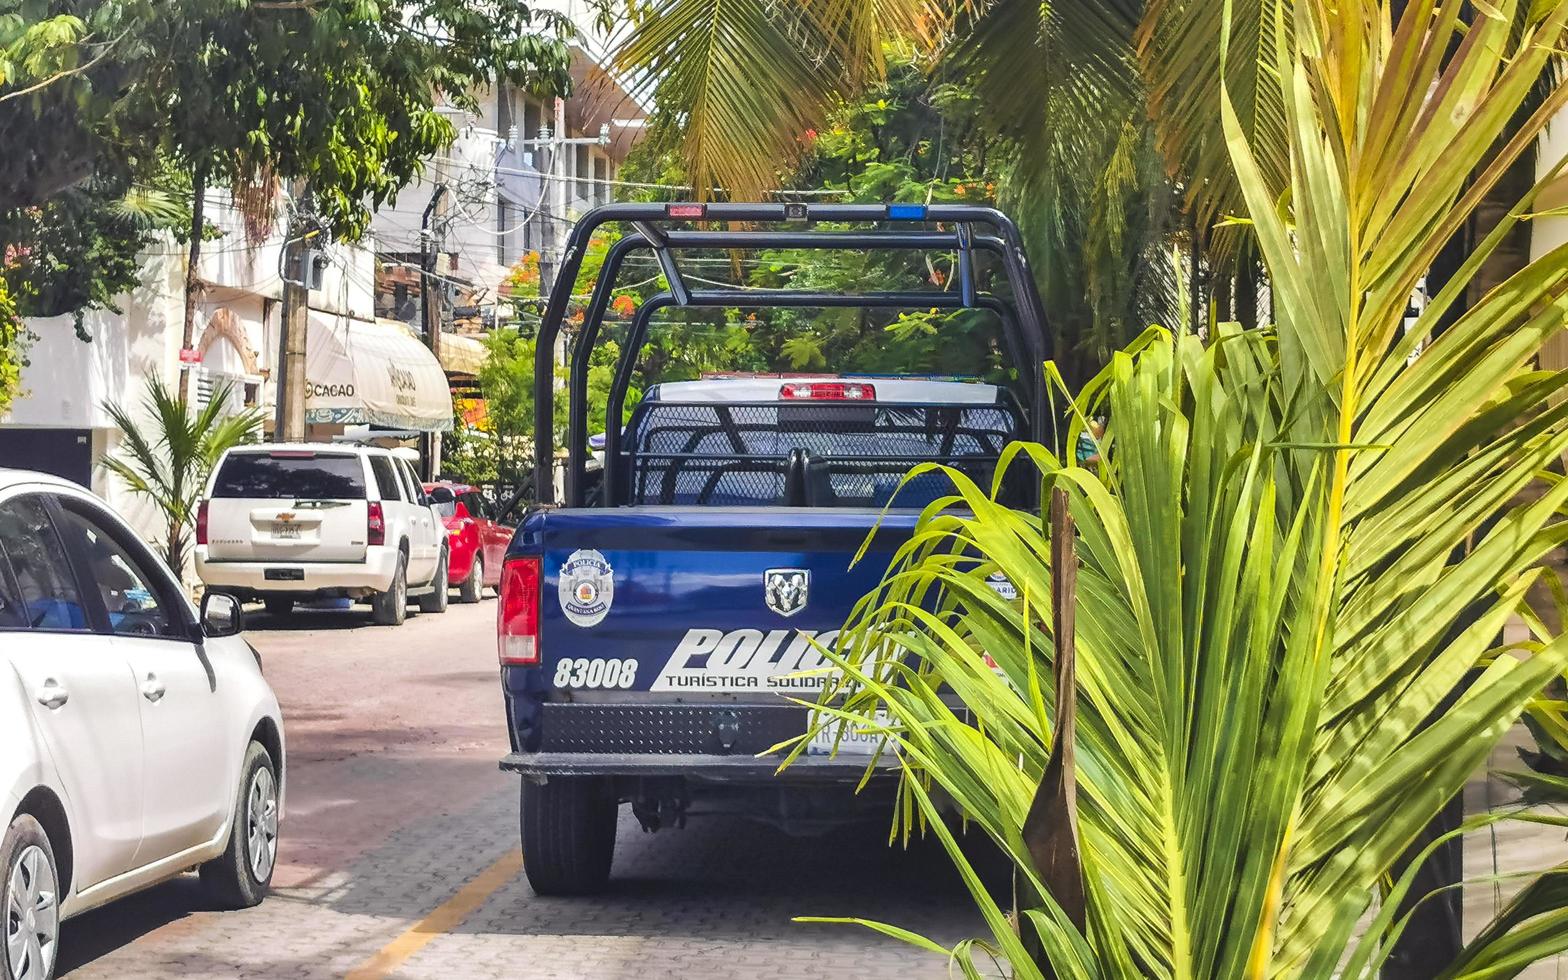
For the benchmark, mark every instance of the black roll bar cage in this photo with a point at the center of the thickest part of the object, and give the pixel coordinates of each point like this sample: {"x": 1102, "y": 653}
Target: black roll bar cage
{"x": 1023, "y": 321}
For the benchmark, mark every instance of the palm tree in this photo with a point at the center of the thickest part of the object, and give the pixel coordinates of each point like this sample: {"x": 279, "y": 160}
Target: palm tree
{"x": 168, "y": 458}
{"x": 1270, "y": 619}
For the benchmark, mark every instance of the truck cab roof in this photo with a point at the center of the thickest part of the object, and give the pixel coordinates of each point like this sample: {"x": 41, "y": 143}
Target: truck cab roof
{"x": 826, "y": 387}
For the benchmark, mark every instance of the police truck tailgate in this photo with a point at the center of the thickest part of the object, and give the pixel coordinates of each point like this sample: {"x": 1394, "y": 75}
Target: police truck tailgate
{"x": 681, "y": 630}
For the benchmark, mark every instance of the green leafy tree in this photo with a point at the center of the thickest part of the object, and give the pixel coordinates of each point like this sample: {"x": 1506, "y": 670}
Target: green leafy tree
{"x": 168, "y": 452}
{"x": 98, "y": 96}
{"x": 13, "y": 335}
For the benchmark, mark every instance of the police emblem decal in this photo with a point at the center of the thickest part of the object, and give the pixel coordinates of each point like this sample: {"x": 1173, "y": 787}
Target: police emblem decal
{"x": 587, "y": 588}
{"x": 785, "y": 590}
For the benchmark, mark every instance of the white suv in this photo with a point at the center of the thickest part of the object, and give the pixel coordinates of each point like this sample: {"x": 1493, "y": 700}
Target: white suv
{"x": 296, "y": 521}
{"x": 138, "y": 738}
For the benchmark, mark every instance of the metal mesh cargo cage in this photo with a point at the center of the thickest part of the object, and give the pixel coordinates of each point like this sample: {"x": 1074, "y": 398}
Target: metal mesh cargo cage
{"x": 820, "y": 470}
{"x": 810, "y": 455}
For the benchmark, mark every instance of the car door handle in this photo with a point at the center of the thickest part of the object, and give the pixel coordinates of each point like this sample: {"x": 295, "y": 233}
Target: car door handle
{"x": 153, "y": 690}
{"x": 52, "y": 695}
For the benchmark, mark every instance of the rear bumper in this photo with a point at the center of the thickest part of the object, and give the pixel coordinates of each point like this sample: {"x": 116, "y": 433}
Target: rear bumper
{"x": 733, "y": 741}
{"x": 276, "y": 576}
{"x": 738, "y": 768}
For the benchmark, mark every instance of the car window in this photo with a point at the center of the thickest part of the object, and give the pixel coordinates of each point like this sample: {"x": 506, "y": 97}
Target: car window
{"x": 477, "y": 505}
{"x": 12, "y": 615}
{"x": 125, "y": 578}
{"x": 291, "y": 475}
{"x": 410, "y": 485}
{"x": 46, "y": 589}
{"x": 386, "y": 480}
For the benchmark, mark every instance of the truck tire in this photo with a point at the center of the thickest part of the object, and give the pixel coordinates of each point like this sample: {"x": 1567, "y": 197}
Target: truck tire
{"x": 435, "y": 600}
{"x": 278, "y": 605}
{"x": 390, "y": 608}
{"x": 473, "y": 586}
{"x": 568, "y": 834}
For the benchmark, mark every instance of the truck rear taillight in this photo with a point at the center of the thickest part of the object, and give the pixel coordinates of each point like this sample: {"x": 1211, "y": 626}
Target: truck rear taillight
{"x": 517, "y": 619}
{"x": 828, "y": 391}
{"x": 201, "y": 522}
{"x": 375, "y": 524}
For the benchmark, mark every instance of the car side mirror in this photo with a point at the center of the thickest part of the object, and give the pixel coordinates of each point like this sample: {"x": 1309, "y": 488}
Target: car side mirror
{"x": 221, "y": 615}
{"x": 461, "y": 510}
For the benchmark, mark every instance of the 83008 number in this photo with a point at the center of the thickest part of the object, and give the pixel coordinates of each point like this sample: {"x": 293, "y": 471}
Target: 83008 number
{"x": 582, "y": 672}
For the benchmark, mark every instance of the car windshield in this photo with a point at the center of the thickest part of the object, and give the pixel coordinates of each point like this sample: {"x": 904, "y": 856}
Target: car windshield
{"x": 291, "y": 476}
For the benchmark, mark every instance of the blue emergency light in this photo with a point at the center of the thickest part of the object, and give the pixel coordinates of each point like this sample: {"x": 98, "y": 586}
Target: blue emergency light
{"x": 906, "y": 212}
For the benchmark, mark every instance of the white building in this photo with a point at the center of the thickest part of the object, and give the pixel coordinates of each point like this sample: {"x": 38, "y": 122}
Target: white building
{"x": 58, "y": 421}
{"x": 511, "y": 188}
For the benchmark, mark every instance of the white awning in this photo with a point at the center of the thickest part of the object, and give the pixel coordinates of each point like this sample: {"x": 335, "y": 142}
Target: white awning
{"x": 363, "y": 373}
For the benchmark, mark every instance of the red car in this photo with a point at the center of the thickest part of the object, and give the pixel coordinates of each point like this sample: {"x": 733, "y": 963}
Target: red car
{"x": 476, "y": 544}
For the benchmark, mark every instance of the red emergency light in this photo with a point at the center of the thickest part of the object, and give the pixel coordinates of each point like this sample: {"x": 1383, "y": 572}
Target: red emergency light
{"x": 828, "y": 391}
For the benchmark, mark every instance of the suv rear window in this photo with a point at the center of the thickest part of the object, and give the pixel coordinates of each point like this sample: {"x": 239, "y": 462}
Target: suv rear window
{"x": 291, "y": 476}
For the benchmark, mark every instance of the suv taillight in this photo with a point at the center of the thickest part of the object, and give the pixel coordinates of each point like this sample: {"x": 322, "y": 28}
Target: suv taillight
{"x": 375, "y": 524}
{"x": 201, "y": 522}
{"x": 517, "y": 618}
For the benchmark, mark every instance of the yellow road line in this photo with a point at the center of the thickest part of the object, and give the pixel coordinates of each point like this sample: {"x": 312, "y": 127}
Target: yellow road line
{"x": 448, "y": 916}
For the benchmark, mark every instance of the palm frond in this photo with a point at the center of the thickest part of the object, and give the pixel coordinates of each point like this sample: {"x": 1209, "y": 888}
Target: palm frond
{"x": 747, "y": 79}
{"x": 1188, "y": 52}
{"x": 149, "y": 207}
{"x": 1303, "y": 542}
{"x": 167, "y": 452}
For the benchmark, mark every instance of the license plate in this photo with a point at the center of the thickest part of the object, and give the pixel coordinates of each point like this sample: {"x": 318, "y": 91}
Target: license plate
{"x": 286, "y": 532}
{"x": 850, "y": 740}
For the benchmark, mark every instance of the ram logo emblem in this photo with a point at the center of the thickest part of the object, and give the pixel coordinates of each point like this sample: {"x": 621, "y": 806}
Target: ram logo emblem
{"x": 785, "y": 589}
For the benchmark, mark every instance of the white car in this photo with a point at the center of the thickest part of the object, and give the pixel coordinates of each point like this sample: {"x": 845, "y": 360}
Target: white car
{"x": 138, "y": 738}
{"x": 288, "y": 522}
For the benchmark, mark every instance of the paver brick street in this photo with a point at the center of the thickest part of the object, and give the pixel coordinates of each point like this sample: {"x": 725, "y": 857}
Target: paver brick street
{"x": 395, "y": 804}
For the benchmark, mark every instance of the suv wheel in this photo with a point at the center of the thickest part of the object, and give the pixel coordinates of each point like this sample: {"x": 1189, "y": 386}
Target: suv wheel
{"x": 30, "y": 901}
{"x": 568, "y": 834}
{"x": 278, "y": 605}
{"x": 390, "y": 608}
{"x": 473, "y": 586}
{"x": 240, "y": 877}
{"x": 435, "y": 600}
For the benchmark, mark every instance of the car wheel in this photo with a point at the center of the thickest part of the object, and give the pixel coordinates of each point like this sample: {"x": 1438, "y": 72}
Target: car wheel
{"x": 278, "y": 605}
{"x": 240, "y": 877}
{"x": 473, "y": 586}
{"x": 568, "y": 834}
{"x": 30, "y": 890}
{"x": 390, "y": 608}
{"x": 435, "y": 600}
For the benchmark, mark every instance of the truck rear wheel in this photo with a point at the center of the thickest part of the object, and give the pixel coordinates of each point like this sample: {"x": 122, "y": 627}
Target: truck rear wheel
{"x": 435, "y": 600}
{"x": 568, "y": 834}
{"x": 390, "y": 608}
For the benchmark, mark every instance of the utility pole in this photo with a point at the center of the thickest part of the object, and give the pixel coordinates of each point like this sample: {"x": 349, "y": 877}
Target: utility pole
{"x": 430, "y": 300}
{"x": 289, "y": 422}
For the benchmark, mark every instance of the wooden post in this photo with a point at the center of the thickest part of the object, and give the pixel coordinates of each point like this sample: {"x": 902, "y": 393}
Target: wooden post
{"x": 1051, "y": 829}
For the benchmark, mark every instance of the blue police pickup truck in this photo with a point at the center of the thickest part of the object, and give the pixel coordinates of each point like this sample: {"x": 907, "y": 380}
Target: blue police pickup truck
{"x": 653, "y": 627}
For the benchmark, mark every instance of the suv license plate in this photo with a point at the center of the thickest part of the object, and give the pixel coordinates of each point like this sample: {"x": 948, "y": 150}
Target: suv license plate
{"x": 286, "y": 532}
